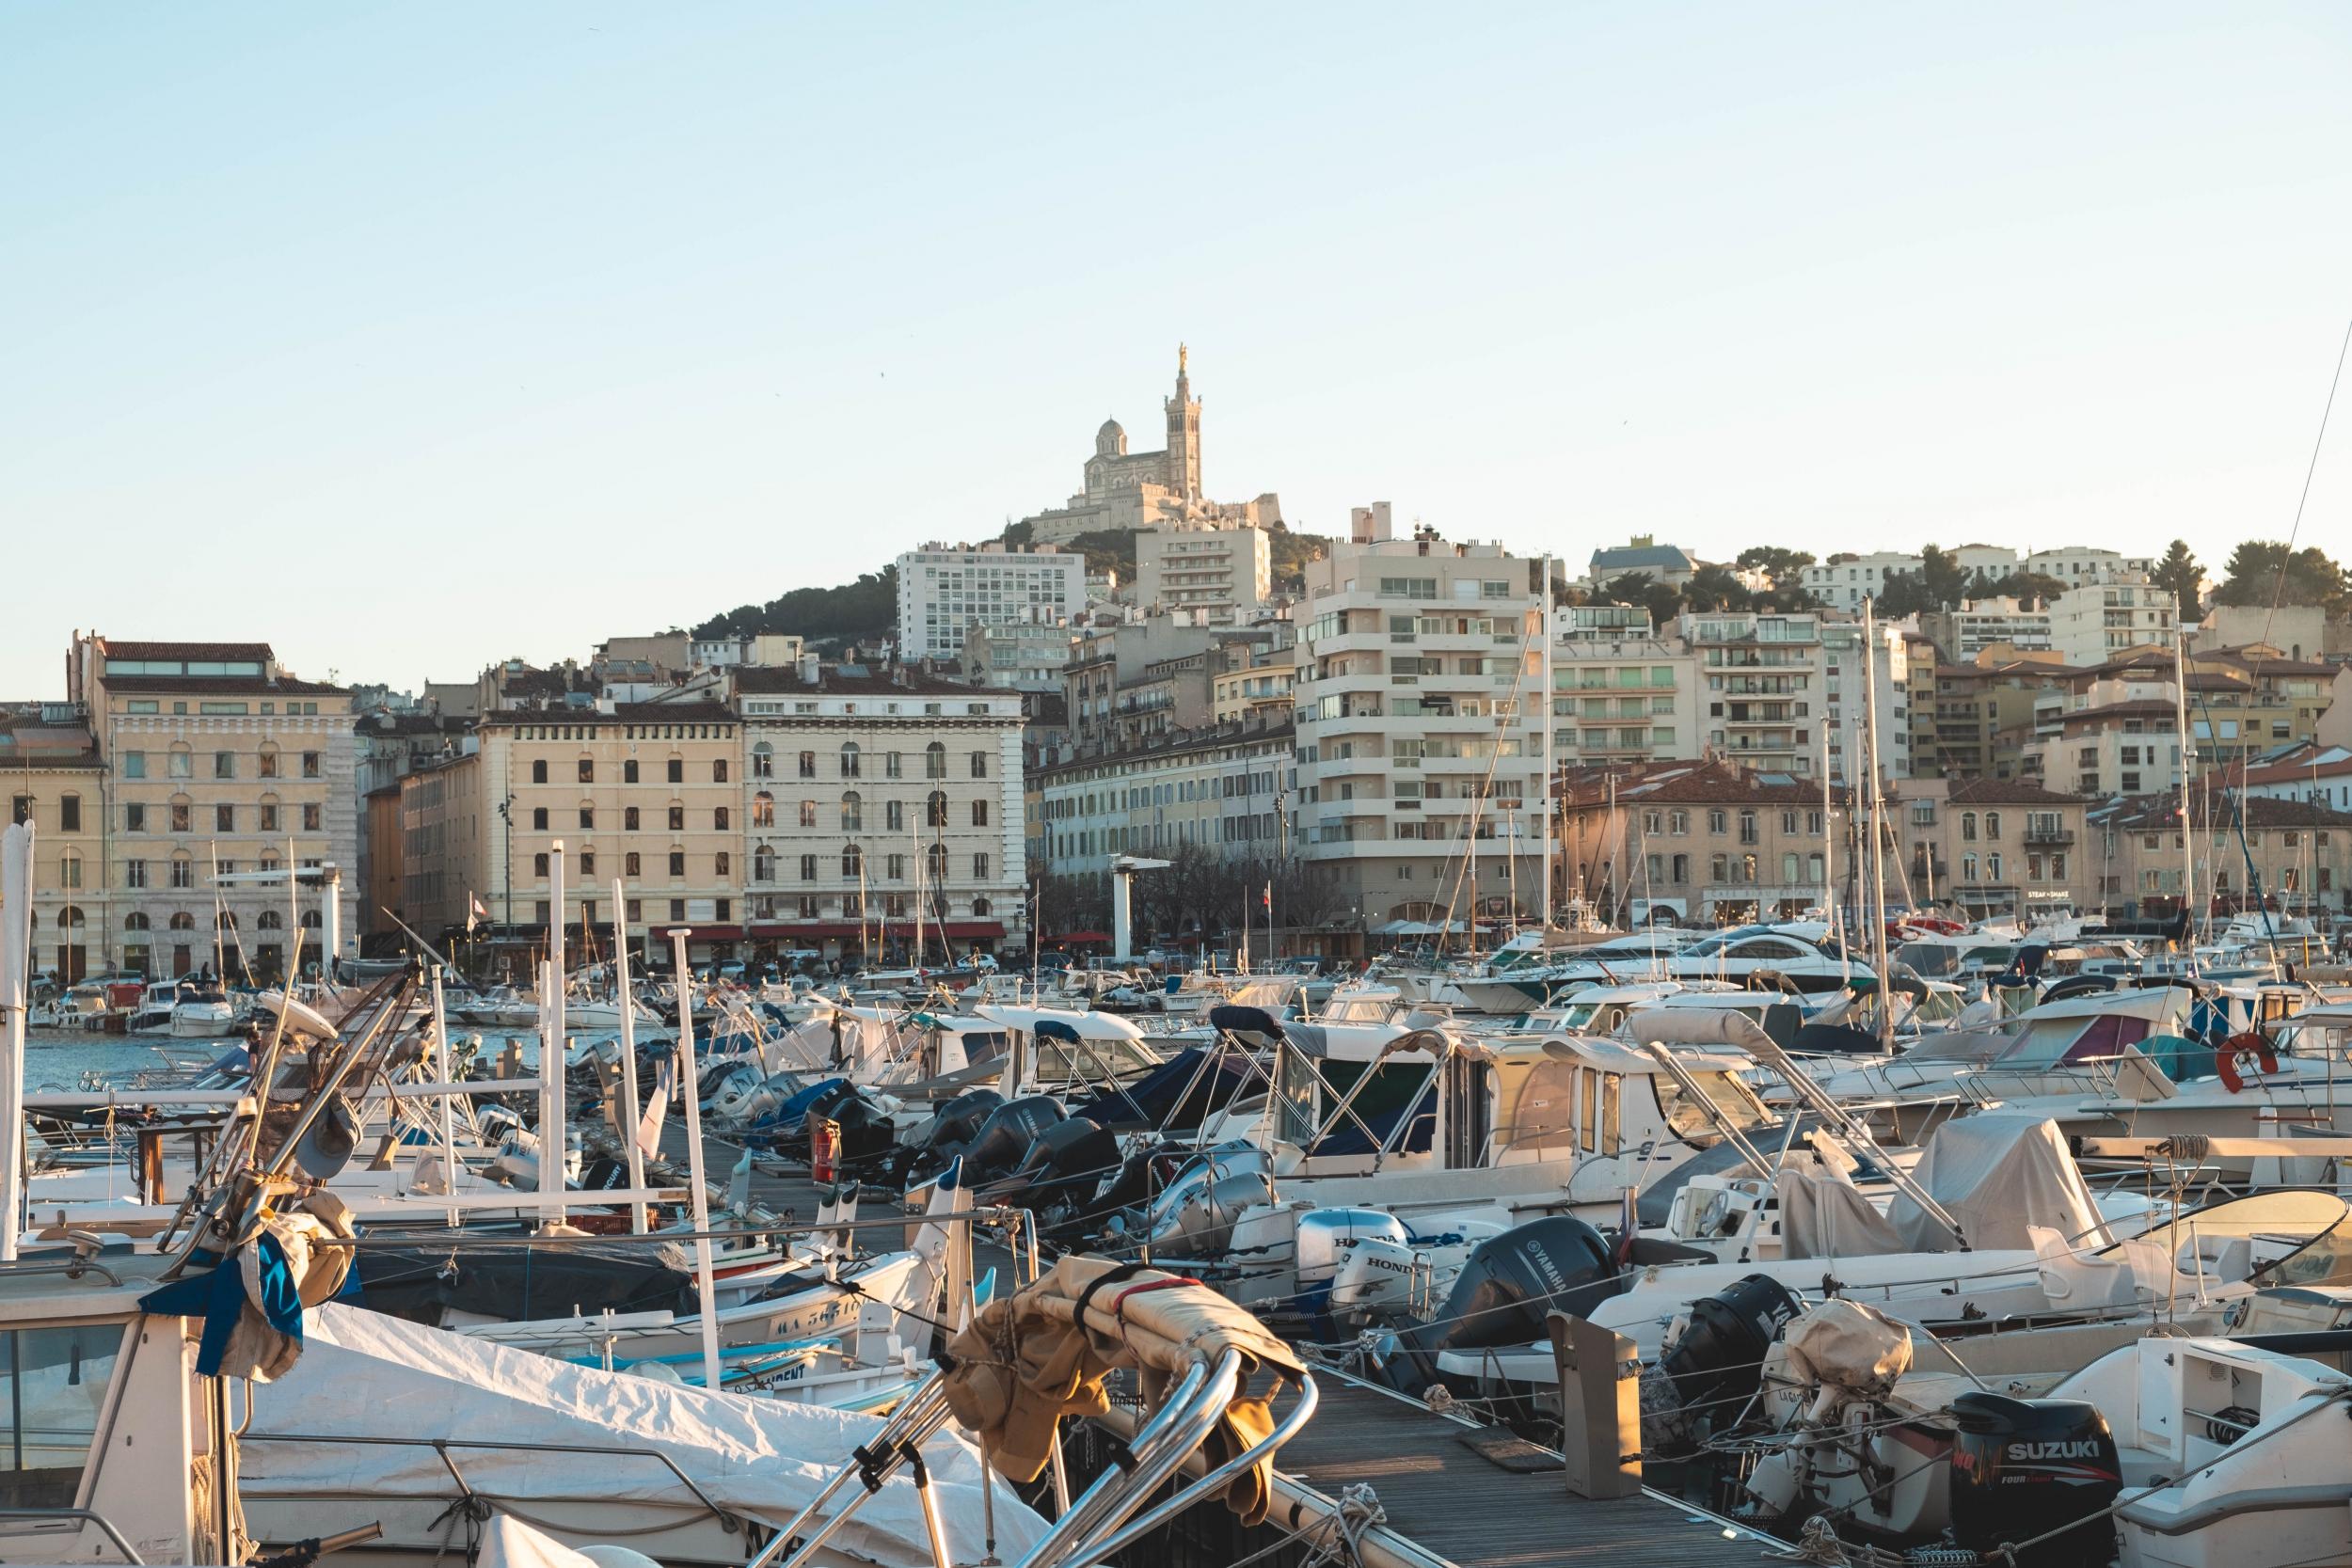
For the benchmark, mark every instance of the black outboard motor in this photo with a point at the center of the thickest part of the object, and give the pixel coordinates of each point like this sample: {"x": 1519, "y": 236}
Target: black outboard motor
{"x": 794, "y": 1135}
{"x": 927, "y": 1153}
{"x": 1004, "y": 1139}
{"x": 1067, "y": 1165}
{"x": 1510, "y": 1284}
{"x": 1716, "y": 1364}
{"x": 2023, "y": 1467}
{"x": 863, "y": 1133}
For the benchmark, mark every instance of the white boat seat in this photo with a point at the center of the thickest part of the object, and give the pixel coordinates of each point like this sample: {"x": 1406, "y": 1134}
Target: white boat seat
{"x": 2129, "y": 1275}
{"x": 2221, "y": 1260}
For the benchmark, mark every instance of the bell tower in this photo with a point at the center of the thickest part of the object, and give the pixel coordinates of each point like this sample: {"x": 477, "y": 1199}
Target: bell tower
{"x": 1183, "y": 432}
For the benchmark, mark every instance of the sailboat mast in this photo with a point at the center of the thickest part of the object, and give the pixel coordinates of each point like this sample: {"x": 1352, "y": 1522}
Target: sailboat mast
{"x": 1878, "y": 838}
{"x": 1543, "y": 628}
{"x": 2188, "y": 771}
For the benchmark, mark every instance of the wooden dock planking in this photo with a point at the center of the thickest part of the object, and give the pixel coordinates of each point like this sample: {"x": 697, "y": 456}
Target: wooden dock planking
{"x": 1456, "y": 1505}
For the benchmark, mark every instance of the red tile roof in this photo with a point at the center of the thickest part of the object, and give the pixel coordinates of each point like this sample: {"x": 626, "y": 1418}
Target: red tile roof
{"x": 227, "y": 652}
{"x": 235, "y": 686}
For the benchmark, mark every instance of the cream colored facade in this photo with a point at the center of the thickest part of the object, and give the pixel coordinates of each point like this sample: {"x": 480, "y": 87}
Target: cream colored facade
{"x": 1251, "y": 681}
{"x": 217, "y": 763}
{"x": 448, "y": 829}
{"x": 1217, "y": 569}
{"x": 55, "y": 783}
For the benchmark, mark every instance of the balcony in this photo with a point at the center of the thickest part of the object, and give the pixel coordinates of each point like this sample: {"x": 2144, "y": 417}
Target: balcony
{"x": 2048, "y": 836}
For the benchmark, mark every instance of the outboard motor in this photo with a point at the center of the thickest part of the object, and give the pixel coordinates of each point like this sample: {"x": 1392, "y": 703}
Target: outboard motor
{"x": 1193, "y": 1217}
{"x": 1511, "y": 1283}
{"x": 1004, "y": 1139}
{"x": 1067, "y": 1165}
{"x": 853, "y": 1130}
{"x": 797, "y": 1116}
{"x": 2022, "y": 1468}
{"x": 1716, "y": 1364}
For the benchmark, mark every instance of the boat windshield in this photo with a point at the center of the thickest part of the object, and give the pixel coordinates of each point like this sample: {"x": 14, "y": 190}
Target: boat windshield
{"x": 1732, "y": 1099}
{"x": 2053, "y": 1042}
{"x": 1930, "y": 960}
{"x": 2284, "y": 1237}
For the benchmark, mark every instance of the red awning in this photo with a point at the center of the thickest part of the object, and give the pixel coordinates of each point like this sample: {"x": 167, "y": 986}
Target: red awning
{"x": 767, "y": 930}
{"x": 975, "y": 928}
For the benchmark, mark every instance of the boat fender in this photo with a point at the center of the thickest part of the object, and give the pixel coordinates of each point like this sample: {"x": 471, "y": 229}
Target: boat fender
{"x": 2250, "y": 1043}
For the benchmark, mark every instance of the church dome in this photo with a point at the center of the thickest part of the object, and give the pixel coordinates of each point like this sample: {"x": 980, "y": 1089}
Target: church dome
{"x": 1111, "y": 440}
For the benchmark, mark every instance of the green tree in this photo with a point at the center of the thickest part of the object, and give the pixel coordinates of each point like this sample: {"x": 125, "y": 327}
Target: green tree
{"x": 1942, "y": 582}
{"x": 2262, "y": 571}
{"x": 1785, "y": 566}
{"x": 867, "y": 608}
{"x": 1715, "y": 588}
{"x": 1662, "y": 599}
{"x": 1903, "y": 594}
{"x": 2180, "y": 572}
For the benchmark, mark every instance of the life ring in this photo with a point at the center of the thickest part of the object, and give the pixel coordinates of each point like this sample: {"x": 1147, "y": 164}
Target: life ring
{"x": 2250, "y": 1043}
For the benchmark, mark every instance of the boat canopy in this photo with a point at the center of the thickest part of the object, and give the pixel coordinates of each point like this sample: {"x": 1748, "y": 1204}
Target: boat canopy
{"x": 1054, "y": 1024}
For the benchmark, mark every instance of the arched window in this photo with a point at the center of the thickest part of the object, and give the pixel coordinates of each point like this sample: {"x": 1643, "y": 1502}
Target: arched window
{"x": 270, "y": 920}
{"x": 852, "y": 812}
{"x": 70, "y": 917}
{"x": 227, "y": 919}
{"x": 268, "y": 809}
{"x": 630, "y": 864}
{"x": 937, "y": 808}
{"x": 1968, "y": 826}
{"x": 937, "y": 856}
{"x": 849, "y": 759}
{"x": 936, "y": 760}
{"x": 1992, "y": 827}
{"x": 763, "y": 810}
{"x": 135, "y": 920}
{"x": 1968, "y": 867}
{"x": 629, "y": 819}
{"x": 763, "y": 761}
{"x": 979, "y": 906}
{"x": 309, "y": 920}
{"x": 587, "y": 816}
{"x": 184, "y": 921}
{"x": 853, "y": 860}
{"x": 1993, "y": 866}
{"x": 763, "y": 864}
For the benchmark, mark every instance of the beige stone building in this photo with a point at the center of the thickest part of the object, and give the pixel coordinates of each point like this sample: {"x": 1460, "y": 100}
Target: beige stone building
{"x": 1990, "y": 846}
{"x": 55, "y": 783}
{"x": 217, "y": 763}
{"x": 2297, "y": 854}
{"x": 1226, "y": 572}
{"x": 1708, "y": 841}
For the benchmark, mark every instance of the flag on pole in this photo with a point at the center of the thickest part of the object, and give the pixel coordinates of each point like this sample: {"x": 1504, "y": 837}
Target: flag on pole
{"x": 475, "y": 914}
{"x": 1266, "y": 898}
{"x": 658, "y": 1107}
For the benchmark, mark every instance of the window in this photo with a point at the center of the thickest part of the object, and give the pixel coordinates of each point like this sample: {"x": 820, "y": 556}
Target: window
{"x": 134, "y": 765}
{"x": 981, "y": 906}
{"x": 1968, "y": 826}
{"x": 763, "y": 761}
{"x": 725, "y": 865}
{"x": 935, "y": 761}
{"x": 66, "y": 1371}
{"x": 587, "y": 770}
{"x": 69, "y": 814}
{"x": 935, "y": 863}
{"x": 726, "y": 905}
{"x": 134, "y": 817}
{"x": 183, "y": 765}
{"x": 310, "y": 764}
{"x": 1681, "y": 868}
{"x": 629, "y": 820}
{"x": 808, "y": 764}
{"x": 890, "y": 766}
{"x": 980, "y": 765}
{"x": 539, "y": 865}
{"x": 895, "y": 867}
{"x": 1968, "y": 867}
{"x": 224, "y": 764}
{"x": 539, "y": 771}
{"x": 539, "y": 818}
{"x": 629, "y": 771}
{"x": 1993, "y": 824}
{"x": 677, "y": 864}
{"x": 852, "y": 862}
{"x": 677, "y": 819}
{"x": 763, "y": 864}
{"x": 1718, "y": 822}
{"x": 588, "y": 818}
{"x": 763, "y": 810}
{"x": 718, "y": 770}
{"x": 1677, "y": 822}
{"x": 852, "y": 812}
{"x": 980, "y": 867}
{"x": 719, "y": 819}
{"x": 849, "y": 759}
{"x": 133, "y": 873}
{"x": 69, "y": 870}
{"x": 224, "y": 819}
{"x": 269, "y": 816}
{"x": 182, "y": 817}
{"x": 1747, "y": 827}
{"x": 1993, "y": 866}
{"x": 678, "y": 769}
{"x": 588, "y": 869}
{"x": 312, "y": 815}
{"x": 808, "y": 868}
{"x": 894, "y": 815}
{"x": 979, "y": 814}
{"x": 630, "y": 864}
{"x": 678, "y": 909}
{"x": 808, "y": 906}
{"x": 808, "y": 814}
{"x": 182, "y": 876}
{"x": 936, "y": 809}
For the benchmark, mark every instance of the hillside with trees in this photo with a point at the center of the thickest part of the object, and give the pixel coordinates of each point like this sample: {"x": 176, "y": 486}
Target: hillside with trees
{"x": 865, "y": 609}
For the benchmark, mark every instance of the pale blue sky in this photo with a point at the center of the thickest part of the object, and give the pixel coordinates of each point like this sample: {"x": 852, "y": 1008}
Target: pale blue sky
{"x": 411, "y": 337}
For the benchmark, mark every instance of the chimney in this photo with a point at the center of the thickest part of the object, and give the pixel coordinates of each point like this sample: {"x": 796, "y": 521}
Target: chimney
{"x": 810, "y": 666}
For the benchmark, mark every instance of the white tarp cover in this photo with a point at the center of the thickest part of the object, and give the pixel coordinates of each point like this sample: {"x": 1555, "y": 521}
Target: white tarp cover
{"x": 363, "y": 1375}
{"x": 1824, "y": 1214}
{"x": 1847, "y": 1345}
{"x": 508, "y": 1543}
{"x": 1999, "y": 1174}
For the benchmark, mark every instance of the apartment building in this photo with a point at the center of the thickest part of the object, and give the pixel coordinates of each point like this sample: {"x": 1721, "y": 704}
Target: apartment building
{"x": 1250, "y": 682}
{"x": 216, "y": 763}
{"x": 2314, "y": 771}
{"x": 1226, "y": 789}
{"x": 2077, "y": 564}
{"x": 2001, "y": 628}
{"x": 861, "y": 789}
{"x": 1667, "y": 564}
{"x": 1764, "y": 686}
{"x": 57, "y": 782}
{"x": 1621, "y": 692}
{"x": 1420, "y": 723}
{"x": 2101, "y": 620}
{"x": 1843, "y": 581}
{"x": 1976, "y": 721}
{"x": 1990, "y": 846}
{"x": 1847, "y": 675}
{"x": 647, "y": 793}
{"x": 1226, "y": 572}
{"x": 942, "y": 589}
{"x": 2293, "y": 856}
{"x": 1704, "y": 841}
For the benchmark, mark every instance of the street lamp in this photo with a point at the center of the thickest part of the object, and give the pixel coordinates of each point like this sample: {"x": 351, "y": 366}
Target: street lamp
{"x": 506, "y": 814}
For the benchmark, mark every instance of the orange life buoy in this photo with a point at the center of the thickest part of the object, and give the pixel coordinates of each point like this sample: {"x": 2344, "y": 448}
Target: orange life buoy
{"x": 2251, "y": 1042}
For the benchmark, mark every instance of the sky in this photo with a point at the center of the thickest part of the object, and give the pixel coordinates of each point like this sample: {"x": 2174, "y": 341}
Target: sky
{"x": 410, "y": 338}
